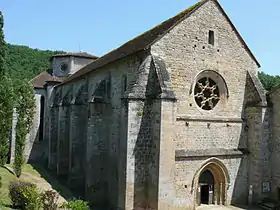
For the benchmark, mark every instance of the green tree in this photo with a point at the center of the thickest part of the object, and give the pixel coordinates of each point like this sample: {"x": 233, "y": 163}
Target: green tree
{"x": 2, "y": 44}
{"x": 25, "y": 63}
{"x": 25, "y": 106}
{"x": 6, "y": 100}
{"x": 269, "y": 81}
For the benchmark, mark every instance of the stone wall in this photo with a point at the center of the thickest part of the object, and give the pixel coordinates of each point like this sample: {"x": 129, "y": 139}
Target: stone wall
{"x": 87, "y": 117}
{"x": 57, "y": 61}
{"x": 145, "y": 149}
{"x": 53, "y": 129}
{"x": 142, "y": 154}
{"x": 35, "y": 147}
{"x": 13, "y": 137}
{"x": 275, "y": 144}
{"x": 74, "y": 64}
{"x": 77, "y": 144}
{"x": 258, "y": 145}
{"x": 112, "y": 118}
{"x": 79, "y": 63}
{"x": 33, "y": 136}
{"x": 63, "y": 140}
{"x": 97, "y": 159}
{"x": 187, "y": 54}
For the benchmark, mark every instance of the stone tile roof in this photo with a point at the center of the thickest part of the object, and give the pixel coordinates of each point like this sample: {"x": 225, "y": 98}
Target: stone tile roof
{"x": 76, "y": 54}
{"x": 40, "y": 80}
{"x": 145, "y": 40}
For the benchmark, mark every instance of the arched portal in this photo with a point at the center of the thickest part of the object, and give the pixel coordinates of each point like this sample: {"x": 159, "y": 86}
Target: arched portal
{"x": 206, "y": 184}
{"x": 211, "y": 183}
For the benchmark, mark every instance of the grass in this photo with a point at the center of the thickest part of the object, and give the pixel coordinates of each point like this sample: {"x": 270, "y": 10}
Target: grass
{"x": 30, "y": 173}
{"x": 7, "y": 176}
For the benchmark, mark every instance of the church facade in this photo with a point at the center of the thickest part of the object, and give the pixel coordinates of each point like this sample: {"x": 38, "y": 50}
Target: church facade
{"x": 172, "y": 119}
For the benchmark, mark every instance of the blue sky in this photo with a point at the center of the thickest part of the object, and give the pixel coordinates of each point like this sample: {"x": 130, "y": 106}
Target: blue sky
{"x": 98, "y": 26}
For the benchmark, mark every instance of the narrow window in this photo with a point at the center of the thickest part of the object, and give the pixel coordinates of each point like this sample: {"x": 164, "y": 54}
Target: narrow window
{"x": 124, "y": 83}
{"x": 211, "y": 38}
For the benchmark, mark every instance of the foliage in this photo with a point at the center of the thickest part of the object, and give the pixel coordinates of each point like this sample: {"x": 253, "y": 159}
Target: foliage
{"x": 50, "y": 200}
{"x": 6, "y": 100}
{"x": 25, "y": 107}
{"x": 1, "y": 181}
{"x": 7, "y": 177}
{"x": 25, "y": 195}
{"x": 30, "y": 175}
{"x": 269, "y": 81}
{"x": 2, "y": 44}
{"x": 75, "y": 205}
{"x": 6, "y": 114}
{"x": 25, "y": 63}
{"x": 18, "y": 64}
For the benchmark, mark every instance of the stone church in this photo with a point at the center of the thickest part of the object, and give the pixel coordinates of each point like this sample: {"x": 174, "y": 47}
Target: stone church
{"x": 172, "y": 119}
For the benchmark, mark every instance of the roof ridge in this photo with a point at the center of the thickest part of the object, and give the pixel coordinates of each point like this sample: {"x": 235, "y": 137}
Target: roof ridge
{"x": 184, "y": 14}
{"x": 148, "y": 38}
{"x": 140, "y": 42}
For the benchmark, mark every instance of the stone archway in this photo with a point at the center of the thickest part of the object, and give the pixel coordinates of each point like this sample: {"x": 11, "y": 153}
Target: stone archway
{"x": 206, "y": 187}
{"x": 217, "y": 186}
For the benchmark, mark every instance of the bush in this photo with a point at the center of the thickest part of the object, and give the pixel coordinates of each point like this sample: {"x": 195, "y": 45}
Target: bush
{"x": 25, "y": 195}
{"x": 50, "y": 199}
{"x": 76, "y": 205}
{"x": 1, "y": 182}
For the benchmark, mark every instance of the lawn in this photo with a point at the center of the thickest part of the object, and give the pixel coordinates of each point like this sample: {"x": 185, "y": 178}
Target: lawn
{"x": 7, "y": 176}
{"x": 37, "y": 175}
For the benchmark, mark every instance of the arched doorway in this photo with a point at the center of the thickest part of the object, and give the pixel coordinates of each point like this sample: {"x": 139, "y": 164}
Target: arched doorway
{"x": 211, "y": 183}
{"x": 206, "y": 185}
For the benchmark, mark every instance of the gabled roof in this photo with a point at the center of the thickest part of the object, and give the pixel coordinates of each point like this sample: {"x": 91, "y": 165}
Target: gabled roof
{"x": 145, "y": 40}
{"x": 40, "y": 80}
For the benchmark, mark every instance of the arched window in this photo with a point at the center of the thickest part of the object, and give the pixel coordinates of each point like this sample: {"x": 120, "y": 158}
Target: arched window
{"x": 209, "y": 88}
{"x": 206, "y": 93}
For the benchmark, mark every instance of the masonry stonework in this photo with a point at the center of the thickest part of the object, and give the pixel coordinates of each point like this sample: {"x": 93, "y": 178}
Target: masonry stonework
{"x": 142, "y": 126}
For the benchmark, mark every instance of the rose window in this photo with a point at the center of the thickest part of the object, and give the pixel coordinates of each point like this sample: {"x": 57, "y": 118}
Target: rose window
{"x": 206, "y": 93}
{"x": 63, "y": 67}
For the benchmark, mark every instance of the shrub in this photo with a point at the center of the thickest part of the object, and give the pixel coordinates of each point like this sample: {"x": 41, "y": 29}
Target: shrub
{"x": 76, "y": 205}
{"x": 50, "y": 200}
{"x": 25, "y": 195}
{"x": 0, "y": 181}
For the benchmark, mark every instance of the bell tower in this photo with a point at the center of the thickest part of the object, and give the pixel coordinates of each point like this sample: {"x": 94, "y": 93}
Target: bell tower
{"x": 66, "y": 64}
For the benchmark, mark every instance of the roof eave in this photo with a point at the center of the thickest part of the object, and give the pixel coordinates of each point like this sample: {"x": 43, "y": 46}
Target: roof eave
{"x": 237, "y": 33}
{"x": 180, "y": 19}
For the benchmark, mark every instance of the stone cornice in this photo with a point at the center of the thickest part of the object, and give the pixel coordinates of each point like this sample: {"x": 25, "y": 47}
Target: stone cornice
{"x": 213, "y": 152}
{"x": 209, "y": 119}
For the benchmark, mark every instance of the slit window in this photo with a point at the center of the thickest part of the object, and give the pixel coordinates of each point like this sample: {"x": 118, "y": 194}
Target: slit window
{"x": 124, "y": 83}
{"x": 211, "y": 37}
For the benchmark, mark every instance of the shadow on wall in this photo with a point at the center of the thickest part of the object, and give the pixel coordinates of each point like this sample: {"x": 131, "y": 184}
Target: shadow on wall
{"x": 39, "y": 153}
{"x": 51, "y": 178}
{"x": 146, "y": 151}
{"x": 39, "y": 160}
{"x": 146, "y": 161}
{"x": 36, "y": 147}
{"x": 253, "y": 142}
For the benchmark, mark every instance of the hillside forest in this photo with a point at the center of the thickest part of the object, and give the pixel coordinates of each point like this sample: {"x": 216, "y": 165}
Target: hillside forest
{"x": 25, "y": 63}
